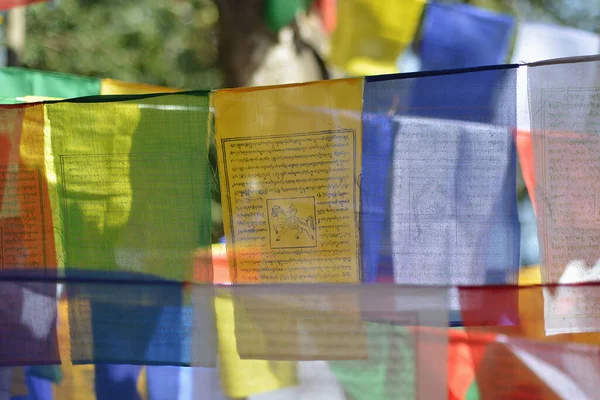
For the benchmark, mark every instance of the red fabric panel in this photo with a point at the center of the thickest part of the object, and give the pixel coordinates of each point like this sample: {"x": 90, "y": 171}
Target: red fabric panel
{"x": 8, "y": 4}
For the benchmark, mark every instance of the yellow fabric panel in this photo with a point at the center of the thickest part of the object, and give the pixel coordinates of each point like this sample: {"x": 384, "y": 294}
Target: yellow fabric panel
{"x": 115, "y": 125}
{"x": 530, "y": 275}
{"x": 36, "y": 99}
{"x": 289, "y": 151}
{"x": 242, "y": 378}
{"x": 371, "y": 34}
{"x": 32, "y": 150}
{"x": 36, "y": 153}
{"x": 111, "y": 86}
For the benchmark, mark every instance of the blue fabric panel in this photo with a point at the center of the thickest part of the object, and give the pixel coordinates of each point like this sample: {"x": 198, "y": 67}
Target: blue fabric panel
{"x": 129, "y": 318}
{"x": 463, "y": 36}
{"x": 447, "y": 136}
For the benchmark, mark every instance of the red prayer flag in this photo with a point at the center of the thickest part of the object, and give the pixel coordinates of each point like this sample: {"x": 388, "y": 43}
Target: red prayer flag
{"x": 525, "y": 151}
{"x": 8, "y": 4}
{"x": 328, "y": 11}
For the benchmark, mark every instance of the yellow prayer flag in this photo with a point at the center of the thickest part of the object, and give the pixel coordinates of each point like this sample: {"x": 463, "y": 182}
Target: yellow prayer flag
{"x": 33, "y": 167}
{"x": 371, "y": 34}
{"x": 36, "y": 99}
{"x": 112, "y": 86}
{"x": 289, "y": 167}
{"x": 242, "y": 378}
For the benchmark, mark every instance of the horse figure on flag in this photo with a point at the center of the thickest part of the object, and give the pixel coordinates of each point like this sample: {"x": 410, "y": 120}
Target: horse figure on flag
{"x": 289, "y": 220}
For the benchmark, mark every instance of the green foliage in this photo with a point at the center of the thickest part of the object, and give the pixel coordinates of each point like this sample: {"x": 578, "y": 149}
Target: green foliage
{"x": 163, "y": 42}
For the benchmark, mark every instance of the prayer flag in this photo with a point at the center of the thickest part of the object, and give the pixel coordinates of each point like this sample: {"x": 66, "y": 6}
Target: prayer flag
{"x": 564, "y": 129}
{"x": 18, "y": 83}
{"x": 462, "y": 36}
{"x": 371, "y": 34}
{"x": 8, "y": 4}
{"x": 521, "y": 368}
{"x": 130, "y": 197}
{"x": 525, "y": 151}
{"x": 289, "y": 168}
{"x": 28, "y": 330}
{"x": 134, "y": 209}
{"x": 78, "y": 381}
{"x": 537, "y": 42}
{"x": 367, "y": 328}
{"x": 28, "y": 309}
{"x": 112, "y": 86}
{"x": 244, "y": 377}
{"x": 439, "y": 178}
{"x": 134, "y": 206}
{"x": 25, "y": 230}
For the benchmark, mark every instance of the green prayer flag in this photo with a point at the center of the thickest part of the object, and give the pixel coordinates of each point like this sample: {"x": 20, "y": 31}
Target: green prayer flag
{"x": 132, "y": 183}
{"x": 279, "y": 13}
{"x": 17, "y": 82}
{"x": 390, "y": 371}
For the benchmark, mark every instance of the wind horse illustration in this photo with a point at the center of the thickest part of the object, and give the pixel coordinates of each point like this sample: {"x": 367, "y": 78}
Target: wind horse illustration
{"x": 288, "y": 220}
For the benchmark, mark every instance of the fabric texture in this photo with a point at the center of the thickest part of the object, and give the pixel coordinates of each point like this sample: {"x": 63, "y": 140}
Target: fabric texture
{"x": 540, "y": 41}
{"x": 18, "y": 82}
{"x": 28, "y": 308}
{"x": 463, "y": 36}
{"x": 19, "y": 85}
{"x": 112, "y": 87}
{"x": 290, "y": 214}
{"x": 564, "y": 132}
{"x": 416, "y": 133}
{"x": 94, "y": 192}
{"x": 132, "y": 198}
{"x": 110, "y": 198}
{"x": 371, "y": 34}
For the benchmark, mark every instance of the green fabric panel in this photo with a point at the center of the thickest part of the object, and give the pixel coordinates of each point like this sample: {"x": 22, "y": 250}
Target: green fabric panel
{"x": 10, "y": 100}
{"x": 388, "y": 374}
{"x": 473, "y": 392}
{"x": 19, "y": 82}
{"x": 279, "y": 13}
{"x": 133, "y": 183}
